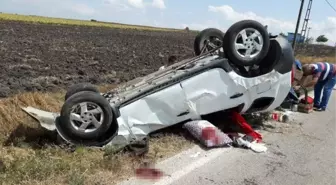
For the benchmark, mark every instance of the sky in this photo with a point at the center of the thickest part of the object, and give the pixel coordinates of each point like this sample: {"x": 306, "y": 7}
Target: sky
{"x": 280, "y": 16}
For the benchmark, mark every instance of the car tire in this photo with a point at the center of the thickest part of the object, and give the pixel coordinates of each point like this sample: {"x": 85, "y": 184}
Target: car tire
{"x": 70, "y": 126}
{"x": 80, "y": 87}
{"x": 209, "y": 34}
{"x": 258, "y": 46}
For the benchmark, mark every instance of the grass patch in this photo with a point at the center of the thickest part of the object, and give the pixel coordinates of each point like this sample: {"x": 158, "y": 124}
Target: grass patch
{"x": 81, "y": 166}
{"x": 28, "y": 155}
{"x": 62, "y": 21}
{"x": 310, "y": 59}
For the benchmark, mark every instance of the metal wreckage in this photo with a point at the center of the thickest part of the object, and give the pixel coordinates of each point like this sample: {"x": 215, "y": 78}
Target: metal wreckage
{"x": 244, "y": 69}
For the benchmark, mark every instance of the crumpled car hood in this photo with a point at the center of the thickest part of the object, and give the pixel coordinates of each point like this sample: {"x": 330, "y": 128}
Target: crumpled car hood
{"x": 46, "y": 119}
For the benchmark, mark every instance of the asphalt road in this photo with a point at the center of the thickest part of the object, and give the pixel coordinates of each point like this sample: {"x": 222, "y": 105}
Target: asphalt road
{"x": 302, "y": 152}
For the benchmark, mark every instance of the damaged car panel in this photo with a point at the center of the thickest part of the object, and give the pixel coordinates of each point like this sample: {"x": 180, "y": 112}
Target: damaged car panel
{"x": 187, "y": 90}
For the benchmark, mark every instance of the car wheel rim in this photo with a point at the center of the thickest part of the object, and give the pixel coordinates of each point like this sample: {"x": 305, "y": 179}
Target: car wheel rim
{"x": 211, "y": 43}
{"x": 86, "y": 117}
{"x": 248, "y": 43}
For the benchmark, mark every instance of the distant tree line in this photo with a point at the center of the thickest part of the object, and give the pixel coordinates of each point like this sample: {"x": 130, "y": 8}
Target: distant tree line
{"x": 319, "y": 39}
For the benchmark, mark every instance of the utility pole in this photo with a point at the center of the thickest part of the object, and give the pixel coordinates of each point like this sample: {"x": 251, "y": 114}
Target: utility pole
{"x": 297, "y": 24}
{"x": 305, "y": 20}
{"x": 308, "y": 33}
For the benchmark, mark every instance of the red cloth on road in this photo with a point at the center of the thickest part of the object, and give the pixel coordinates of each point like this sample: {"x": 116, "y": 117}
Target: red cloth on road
{"x": 247, "y": 129}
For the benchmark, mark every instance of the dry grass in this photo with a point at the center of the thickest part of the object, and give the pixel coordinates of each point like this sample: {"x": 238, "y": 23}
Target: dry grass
{"x": 25, "y": 165}
{"x": 50, "y": 20}
{"x": 29, "y": 156}
{"x": 310, "y": 59}
{"x": 11, "y": 115}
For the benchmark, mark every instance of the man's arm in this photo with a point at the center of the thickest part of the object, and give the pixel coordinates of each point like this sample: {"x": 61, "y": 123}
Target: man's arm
{"x": 309, "y": 84}
{"x": 304, "y": 77}
{"x": 312, "y": 82}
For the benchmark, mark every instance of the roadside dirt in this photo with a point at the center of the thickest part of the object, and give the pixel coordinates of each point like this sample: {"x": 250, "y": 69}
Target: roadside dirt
{"x": 41, "y": 57}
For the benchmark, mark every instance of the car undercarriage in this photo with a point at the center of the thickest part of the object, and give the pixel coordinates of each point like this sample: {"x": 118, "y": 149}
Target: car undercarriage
{"x": 212, "y": 81}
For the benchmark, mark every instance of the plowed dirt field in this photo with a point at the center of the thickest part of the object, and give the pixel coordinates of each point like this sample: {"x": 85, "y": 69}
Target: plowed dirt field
{"x": 46, "y": 57}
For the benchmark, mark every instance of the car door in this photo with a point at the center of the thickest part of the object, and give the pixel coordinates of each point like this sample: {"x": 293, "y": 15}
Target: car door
{"x": 212, "y": 91}
{"x": 155, "y": 111}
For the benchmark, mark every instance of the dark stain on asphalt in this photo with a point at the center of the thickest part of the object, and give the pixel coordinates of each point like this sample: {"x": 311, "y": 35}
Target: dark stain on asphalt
{"x": 273, "y": 166}
{"x": 312, "y": 137}
{"x": 250, "y": 181}
{"x": 211, "y": 180}
{"x": 278, "y": 153}
{"x": 301, "y": 174}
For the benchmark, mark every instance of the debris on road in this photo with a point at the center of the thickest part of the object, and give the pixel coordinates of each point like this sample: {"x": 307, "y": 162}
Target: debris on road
{"x": 207, "y": 133}
{"x": 211, "y": 136}
{"x": 254, "y": 146}
{"x": 281, "y": 117}
{"x": 251, "y": 139}
{"x": 195, "y": 155}
{"x": 247, "y": 129}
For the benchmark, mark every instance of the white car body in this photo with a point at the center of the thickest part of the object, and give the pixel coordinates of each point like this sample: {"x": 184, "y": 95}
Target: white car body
{"x": 171, "y": 95}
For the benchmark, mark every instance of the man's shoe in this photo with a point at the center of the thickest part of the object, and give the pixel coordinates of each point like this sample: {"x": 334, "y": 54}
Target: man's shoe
{"x": 316, "y": 106}
{"x": 320, "y": 109}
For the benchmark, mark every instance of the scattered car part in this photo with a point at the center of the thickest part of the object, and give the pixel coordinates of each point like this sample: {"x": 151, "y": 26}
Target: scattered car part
{"x": 80, "y": 87}
{"x": 139, "y": 148}
{"x": 245, "y": 127}
{"x": 246, "y": 43}
{"x": 254, "y": 146}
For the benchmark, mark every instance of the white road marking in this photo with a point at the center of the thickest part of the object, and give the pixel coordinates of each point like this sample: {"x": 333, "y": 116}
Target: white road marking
{"x": 184, "y": 171}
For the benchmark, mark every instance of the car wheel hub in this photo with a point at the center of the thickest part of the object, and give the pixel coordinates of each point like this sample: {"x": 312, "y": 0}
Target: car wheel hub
{"x": 211, "y": 43}
{"x": 86, "y": 117}
{"x": 248, "y": 43}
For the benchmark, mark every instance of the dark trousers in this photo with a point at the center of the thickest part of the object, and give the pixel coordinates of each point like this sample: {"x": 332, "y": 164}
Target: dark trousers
{"x": 327, "y": 86}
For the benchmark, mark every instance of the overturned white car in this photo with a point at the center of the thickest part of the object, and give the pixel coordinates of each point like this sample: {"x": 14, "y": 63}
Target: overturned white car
{"x": 245, "y": 70}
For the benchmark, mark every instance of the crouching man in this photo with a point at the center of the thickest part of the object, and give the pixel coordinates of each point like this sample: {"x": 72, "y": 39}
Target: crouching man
{"x": 323, "y": 79}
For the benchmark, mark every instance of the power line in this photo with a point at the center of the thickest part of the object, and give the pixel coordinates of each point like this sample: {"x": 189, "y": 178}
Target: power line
{"x": 331, "y": 6}
{"x": 324, "y": 29}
